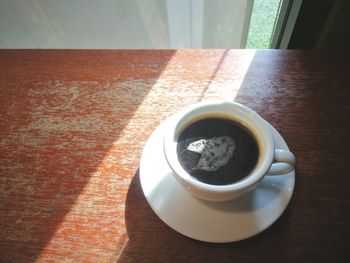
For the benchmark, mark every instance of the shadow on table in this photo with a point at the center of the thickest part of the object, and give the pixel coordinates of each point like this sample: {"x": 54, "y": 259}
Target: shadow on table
{"x": 281, "y": 88}
{"x": 57, "y": 127}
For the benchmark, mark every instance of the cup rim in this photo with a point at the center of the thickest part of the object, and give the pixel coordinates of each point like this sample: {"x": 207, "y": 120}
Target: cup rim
{"x": 207, "y": 109}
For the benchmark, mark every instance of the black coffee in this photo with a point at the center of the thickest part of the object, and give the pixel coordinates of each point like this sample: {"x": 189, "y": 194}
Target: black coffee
{"x": 217, "y": 151}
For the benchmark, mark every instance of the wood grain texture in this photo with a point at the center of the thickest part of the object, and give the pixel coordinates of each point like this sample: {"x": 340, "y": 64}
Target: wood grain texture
{"x": 73, "y": 125}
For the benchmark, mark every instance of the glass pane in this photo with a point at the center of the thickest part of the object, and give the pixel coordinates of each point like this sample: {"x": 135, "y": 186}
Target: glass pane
{"x": 263, "y": 19}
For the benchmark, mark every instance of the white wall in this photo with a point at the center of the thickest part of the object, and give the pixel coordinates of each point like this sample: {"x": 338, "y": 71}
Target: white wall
{"x": 124, "y": 23}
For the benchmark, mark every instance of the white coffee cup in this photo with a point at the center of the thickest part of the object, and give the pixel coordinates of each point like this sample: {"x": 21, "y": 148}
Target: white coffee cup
{"x": 271, "y": 161}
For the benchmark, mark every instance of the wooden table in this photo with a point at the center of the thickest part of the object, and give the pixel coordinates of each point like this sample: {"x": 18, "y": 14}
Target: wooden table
{"x": 73, "y": 125}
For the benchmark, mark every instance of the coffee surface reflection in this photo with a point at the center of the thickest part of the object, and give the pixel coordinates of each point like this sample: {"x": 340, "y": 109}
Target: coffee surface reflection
{"x": 217, "y": 151}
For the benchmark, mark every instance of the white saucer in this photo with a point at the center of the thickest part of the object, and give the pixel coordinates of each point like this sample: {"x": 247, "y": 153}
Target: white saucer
{"x": 216, "y": 222}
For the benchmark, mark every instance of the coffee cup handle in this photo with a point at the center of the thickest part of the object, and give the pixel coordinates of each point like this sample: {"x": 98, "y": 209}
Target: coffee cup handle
{"x": 283, "y": 163}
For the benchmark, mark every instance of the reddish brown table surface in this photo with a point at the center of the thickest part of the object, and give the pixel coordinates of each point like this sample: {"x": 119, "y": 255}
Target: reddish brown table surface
{"x": 73, "y": 125}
